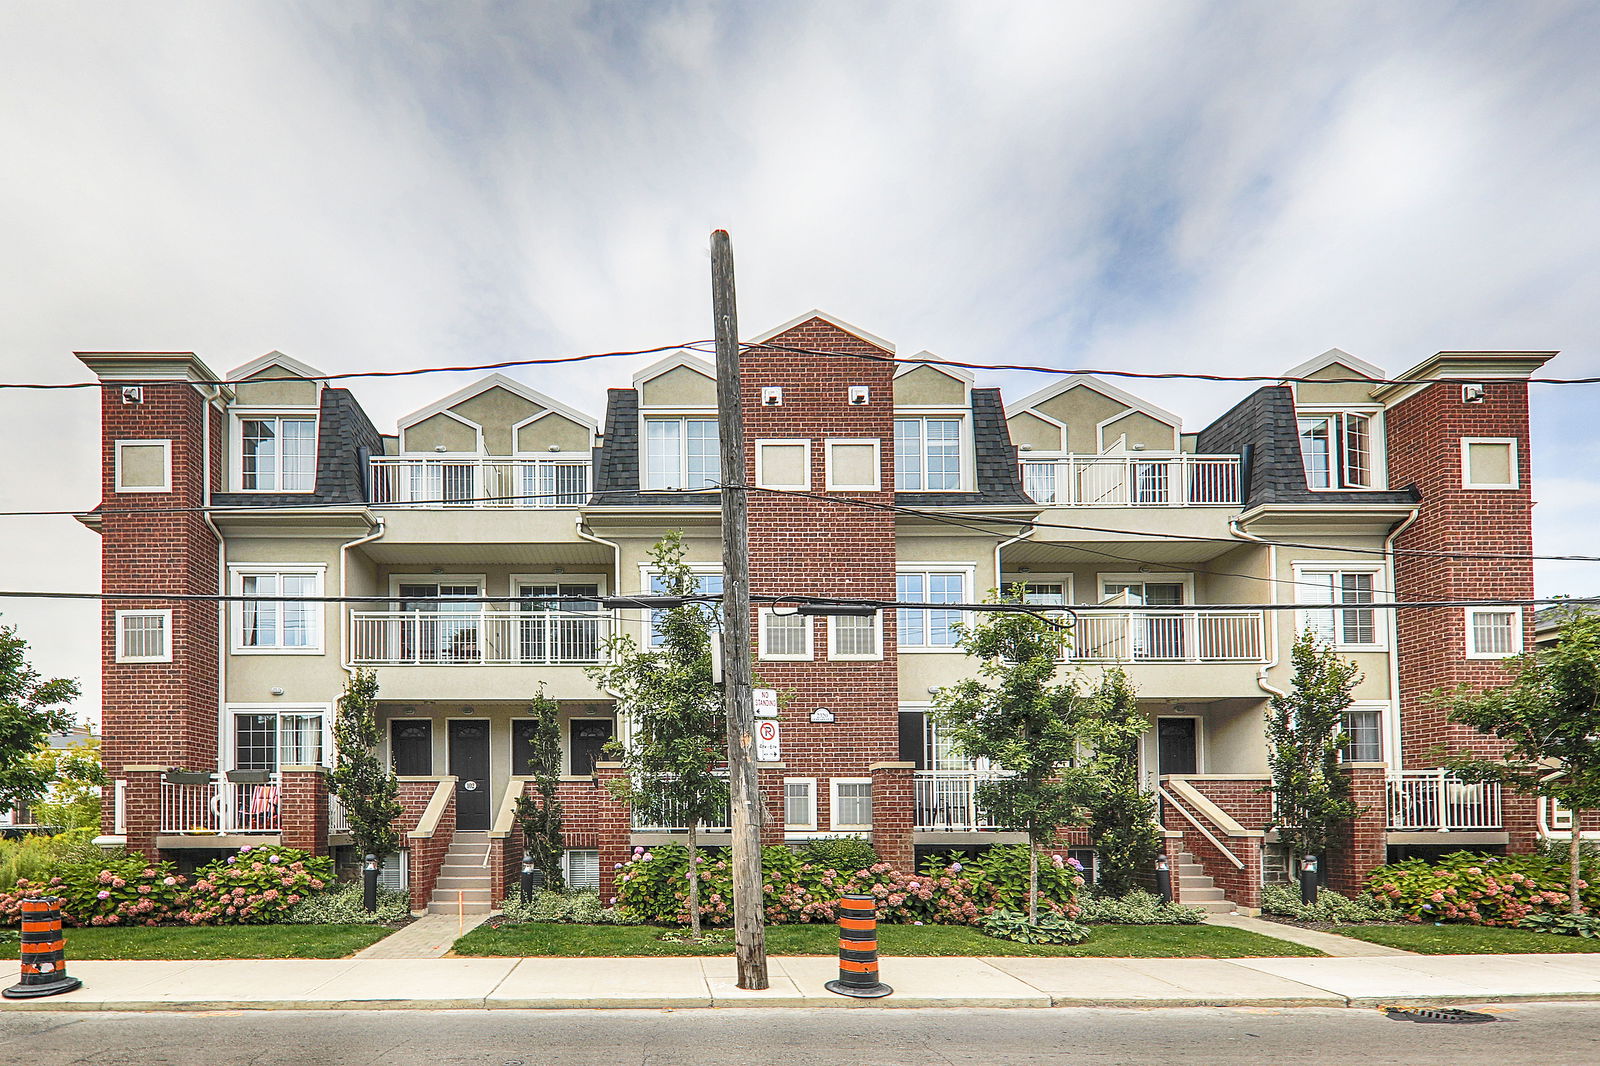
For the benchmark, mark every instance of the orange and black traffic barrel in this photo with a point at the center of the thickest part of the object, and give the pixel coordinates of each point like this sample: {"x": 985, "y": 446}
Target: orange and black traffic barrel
{"x": 44, "y": 952}
{"x": 858, "y": 950}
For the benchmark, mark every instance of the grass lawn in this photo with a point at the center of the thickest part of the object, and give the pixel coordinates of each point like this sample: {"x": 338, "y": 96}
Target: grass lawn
{"x": 1467, "y": 939}
{"x": 1112, "y": 941}
{"x": 221, "y": 942}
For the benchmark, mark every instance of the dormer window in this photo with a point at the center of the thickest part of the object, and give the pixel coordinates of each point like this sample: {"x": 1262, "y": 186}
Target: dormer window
{"x": 927, "y": 454}
{"x": 680, "y": 453}
{"x": 1338, "y": 449}
{"x": 277, "y": 452}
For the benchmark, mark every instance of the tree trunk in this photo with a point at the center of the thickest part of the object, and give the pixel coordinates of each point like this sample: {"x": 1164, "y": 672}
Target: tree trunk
{"x": 1033, "y": 881}
{"x": 1575, "y": 855}
{"x": 694, "y": 878}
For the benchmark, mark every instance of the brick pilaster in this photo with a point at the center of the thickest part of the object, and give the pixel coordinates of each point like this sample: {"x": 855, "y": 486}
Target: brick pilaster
{"x": 1365, "y": 839}
{"x": 894, "y": 813}
{"x": 143, "y": 807}
{"x": 304, "y": 808}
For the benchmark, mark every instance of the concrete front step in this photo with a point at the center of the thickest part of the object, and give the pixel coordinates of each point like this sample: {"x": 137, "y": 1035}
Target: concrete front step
{"x": 1210, "y": 906}
{"x": 453, "y": 883}
{"x": 1201, "y": 895}
{"x": 465, "y": 869}
{"x": 465, "y": 908}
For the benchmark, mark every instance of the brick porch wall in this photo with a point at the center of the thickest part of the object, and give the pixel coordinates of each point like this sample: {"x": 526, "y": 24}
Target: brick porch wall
{"x": 1244, "y": 800}
{"x": 426, "y": 854}
{"x": 1365, "y": 841}
{"x": 1240, "y": 885}
{"x": 893, "y": 812}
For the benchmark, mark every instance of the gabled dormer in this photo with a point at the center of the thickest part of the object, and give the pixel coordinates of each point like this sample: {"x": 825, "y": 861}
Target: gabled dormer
{"x": 1082, "y": 415}
{"x": 274, "y": 425}
{"x": 497, "y": 416}
{"x": 1339, "y": 423}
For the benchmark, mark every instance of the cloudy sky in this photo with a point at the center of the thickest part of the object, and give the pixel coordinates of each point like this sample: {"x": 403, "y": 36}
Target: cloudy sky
{"x": 1231, "y": 187}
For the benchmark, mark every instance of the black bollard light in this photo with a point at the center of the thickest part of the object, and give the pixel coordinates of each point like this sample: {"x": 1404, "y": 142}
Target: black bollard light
{"x": 1308, "y": 879}
{"x": 1163, "y": 879}
{"x": 527, "y": 877}
{"x": 369, "y": 885}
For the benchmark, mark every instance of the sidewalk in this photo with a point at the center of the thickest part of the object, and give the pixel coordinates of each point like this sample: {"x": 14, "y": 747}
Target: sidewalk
{"x": 460, "y": 983}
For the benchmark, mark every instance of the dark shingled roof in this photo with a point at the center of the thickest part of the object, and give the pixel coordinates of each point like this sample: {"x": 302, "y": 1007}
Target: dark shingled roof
{"x": 1262, "y": 429}
{"x": 999, "y": 477}
{"x": 346, "y": 439}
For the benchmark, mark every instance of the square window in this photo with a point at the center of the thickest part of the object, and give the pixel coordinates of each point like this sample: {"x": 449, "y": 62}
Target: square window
{"x": 785, "y": 635}
{"x": 144, "y": 636}
{"x": 852, "y": 803}
{"x": 852, "y": 465}
{"x": 582, "y": 868}
{"x": 143, "y": 466}
{"x": 272, "y": 623}
{"x": 929, "y": 628}
{"x": 1493, "y": 632}
{"x": 927, "y": 454}
{"x": 704, "y": 584}
{"x": 854, "y": 637}
{"x": 1489, "y": 463}
{"x": 680, "y": 453}
{"x": 1337, "y": 449}
{"x": 783, "y": 464}
{"x": 799, "y": 804}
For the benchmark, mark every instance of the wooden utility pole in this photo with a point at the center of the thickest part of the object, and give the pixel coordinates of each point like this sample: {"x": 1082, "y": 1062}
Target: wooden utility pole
{"x": 744, "y": 786}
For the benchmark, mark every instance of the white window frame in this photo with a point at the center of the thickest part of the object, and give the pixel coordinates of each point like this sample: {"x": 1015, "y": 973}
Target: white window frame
{"x": 1172, "y": 577}
{"x": 121, "y": 642}
{"x": 646, "y": 572}
{"x": 783, "y": 442}
{"x": 811, "y": 790}
{"x": 833, "y": 805}
{"x": 566, "y": 863}
{"x": 1466, "y": 463}
{"x": 1302, "y": 616}
{"x": 237, "y": 572}
{"x": 116, "y": 459}
{"x": 831, "y": 485}
{"x": 809, "y": 628}
{"x": 1517, "y": 622}
{"x": 682, "y": 416}
{"x": 965, "y": 458}
{"x": 1338, "y": 464}
{"x": 969, "y": 576}
{"x": 1382, "y": 708}
{"x": 229, "y": 737}
{"x": 834, "y": 655}
{"x": 236, "y": 443}
{"x": 1064, "y": 580}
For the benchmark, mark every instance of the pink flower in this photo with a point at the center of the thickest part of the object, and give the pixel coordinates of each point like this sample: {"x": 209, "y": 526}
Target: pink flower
{"x": 169, "y": 881}
{"x": 144, "y": 890}
{"x": 102, "y": 894}
{"x": 105, "y": 877}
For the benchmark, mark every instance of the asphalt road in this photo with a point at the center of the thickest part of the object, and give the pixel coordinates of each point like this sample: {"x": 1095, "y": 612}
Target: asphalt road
{"x": 1547, "y": 1034}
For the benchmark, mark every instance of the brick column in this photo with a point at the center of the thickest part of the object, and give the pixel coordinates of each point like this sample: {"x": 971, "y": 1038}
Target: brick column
{"x": 303, "y": 806}
{"x": 613, "y": 825}
{"x": 144, "y": 808}
{"x": 1366, "y": 837}
{"x": 894, "y": 812}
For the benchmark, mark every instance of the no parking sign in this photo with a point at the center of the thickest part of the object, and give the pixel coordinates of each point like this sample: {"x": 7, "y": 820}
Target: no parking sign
{"x": 767, "y": 742}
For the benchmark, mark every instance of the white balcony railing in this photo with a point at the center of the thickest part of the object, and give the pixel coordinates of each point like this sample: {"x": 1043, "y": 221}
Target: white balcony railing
{"x": 947, "y": 801}
{"x": 1133, "y": 481}
{"x": 220, "y": 806}
{"x": 479, "y": 637}
{"x": 474, "y": 481}
{"x": 1436, "y": 801}
{"x": 338, "y": 817}
{"x": 660, "y": 817}
{"x": 1198, "y": 636}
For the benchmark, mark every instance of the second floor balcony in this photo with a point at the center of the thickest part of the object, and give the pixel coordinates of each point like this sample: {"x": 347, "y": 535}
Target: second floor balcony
{"x": 478, "y": 636}
{"x": 479, "y": 481}
{"x": 1197, "y": 636}
{"x": 1133, "y": 480}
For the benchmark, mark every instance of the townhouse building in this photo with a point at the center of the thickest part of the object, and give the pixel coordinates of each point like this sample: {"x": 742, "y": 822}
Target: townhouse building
{"x": 465, "y": 556}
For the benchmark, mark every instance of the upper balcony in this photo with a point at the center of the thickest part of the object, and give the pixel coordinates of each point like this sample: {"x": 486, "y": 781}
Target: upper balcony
{"x": 478, "y": 635}
{"x": 1133, "y": 480}
{"x": 477, "y": 481}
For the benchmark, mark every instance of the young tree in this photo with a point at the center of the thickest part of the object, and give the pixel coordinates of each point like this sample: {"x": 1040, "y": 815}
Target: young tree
{"x": 368, "y": 789}
{"x": 674, "y": 713}
{"x": 541, "y": 819}
{"x": 31, "y": 708}
{"x": 1017, "y": 715}
{"x": 1122, "y": 814}
{"x": 1305, "y": 735}
{"x": 1549, "y": 719}
{"x": 72, "y": 799}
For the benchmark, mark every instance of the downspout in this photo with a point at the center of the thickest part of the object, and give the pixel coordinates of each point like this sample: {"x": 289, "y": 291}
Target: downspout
{"x": 344, "y": 585}
{"x": 999, "y": 582}
{"x": 1392, "y": 630}
{"x": 1272, "y": 568}
{"x": 223, "y": 635}
{"x": 616, "y": 579}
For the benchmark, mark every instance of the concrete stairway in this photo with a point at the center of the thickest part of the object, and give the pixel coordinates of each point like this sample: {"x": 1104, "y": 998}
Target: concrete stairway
{"x": 1195, "y": 889}
{"x": 464, "y": 878}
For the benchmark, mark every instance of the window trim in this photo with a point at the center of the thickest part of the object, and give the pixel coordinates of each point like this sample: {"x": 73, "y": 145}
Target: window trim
{"x": 966, "y": 460}
{"x": 1068, "y": 592}
{"x": 120, "y": 645}
{"x": 830, "y": 485}
{"x": 236, "y": 445}
{"x": 1377, "y": 445}
{"x": 782, "y": 442}
{"x": 229, "y": 737}
{"x": 1514, "y": 466}
{"x": 877, "y": 635}
{"x": 1299, "y": 570}
{"x": 237, "y": 572}
{"x": 834, "y": 824}
{"x": 811, "y": 787}
{"x": 566, "y": 863}
{"x": 116, "y": 463}
{"x": 1519, "y": 621}
{"x": 969, "y": 577}
{"x": 1171, "y": 577}
{"x": 680, "y": 415}
{"x": 809, "y": 628}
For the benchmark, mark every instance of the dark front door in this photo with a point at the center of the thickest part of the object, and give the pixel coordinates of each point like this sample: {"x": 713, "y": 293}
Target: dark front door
{"x": 589, "y": 735}
{"x": 1175, "y": 746}
{"x": 469, "y": 764}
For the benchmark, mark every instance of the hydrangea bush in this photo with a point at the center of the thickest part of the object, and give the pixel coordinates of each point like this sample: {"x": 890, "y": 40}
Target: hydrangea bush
{"x": 1477, "y": 889}
{"x": 652, "y": 887}
{"x": 256, "y": 885}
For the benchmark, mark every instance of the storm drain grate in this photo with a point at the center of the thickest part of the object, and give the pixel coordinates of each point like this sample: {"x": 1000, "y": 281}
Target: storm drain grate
{"x": 1437, "y": 1015}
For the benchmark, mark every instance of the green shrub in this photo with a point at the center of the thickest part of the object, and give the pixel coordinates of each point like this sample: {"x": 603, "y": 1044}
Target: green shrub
{"x": 1330, "y": 906}
{"x": 1002, "y": 871}
{"x": 579, "y": 907}
{"x": 1584, "y": 925}
{"x": 256, "y": 885}
{"x": 1136, "y": 908}
{"x": 839, "y": 853}
{"x": 1478, "y": 889}
{"x": 35, "y": 858}
{"x": 1051, "y": 928}
{"x": 120, "y": 889}
{"x": 342, "y": 906}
